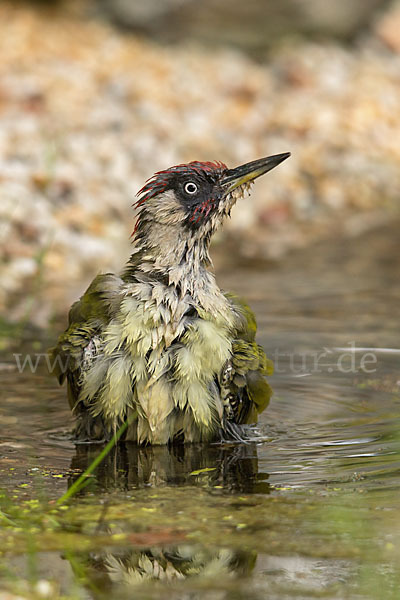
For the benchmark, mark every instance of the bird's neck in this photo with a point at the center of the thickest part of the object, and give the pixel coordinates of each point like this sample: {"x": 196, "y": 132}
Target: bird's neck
{"x": 179, "y": 257}
{"x": 180, "y": 263}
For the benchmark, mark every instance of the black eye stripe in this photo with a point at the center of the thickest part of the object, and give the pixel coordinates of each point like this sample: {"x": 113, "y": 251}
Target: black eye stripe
{"x": 198, "y": 195}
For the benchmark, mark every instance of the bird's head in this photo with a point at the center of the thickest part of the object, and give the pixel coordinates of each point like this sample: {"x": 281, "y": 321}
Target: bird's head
{"x": 195, "y": 197}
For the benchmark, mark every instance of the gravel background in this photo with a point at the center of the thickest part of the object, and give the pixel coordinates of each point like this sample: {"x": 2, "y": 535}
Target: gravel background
{"x": 88, "y": 113}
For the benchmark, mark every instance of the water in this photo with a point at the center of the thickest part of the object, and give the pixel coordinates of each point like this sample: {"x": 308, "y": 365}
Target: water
{"x": 312, "y": 511}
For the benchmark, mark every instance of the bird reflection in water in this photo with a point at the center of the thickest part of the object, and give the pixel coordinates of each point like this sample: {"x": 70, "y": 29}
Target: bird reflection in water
{"x": 233, "y": 467}
{"x": 223, "y": 469}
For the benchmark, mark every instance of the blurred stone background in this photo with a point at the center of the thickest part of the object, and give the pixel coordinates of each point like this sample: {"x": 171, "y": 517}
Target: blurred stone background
{"x": 95, "y": 96}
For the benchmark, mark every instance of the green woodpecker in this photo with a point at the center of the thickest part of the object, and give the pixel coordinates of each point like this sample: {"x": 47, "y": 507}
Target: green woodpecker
{"x": 160, "y": 345}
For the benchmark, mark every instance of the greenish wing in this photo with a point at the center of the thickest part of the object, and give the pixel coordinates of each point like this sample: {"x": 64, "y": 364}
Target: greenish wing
{"x": 250, "y": 365}
{"x": 87, "y": 318}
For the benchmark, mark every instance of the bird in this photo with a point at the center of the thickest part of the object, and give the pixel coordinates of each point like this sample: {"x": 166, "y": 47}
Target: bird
{"x": 160, "y": 347}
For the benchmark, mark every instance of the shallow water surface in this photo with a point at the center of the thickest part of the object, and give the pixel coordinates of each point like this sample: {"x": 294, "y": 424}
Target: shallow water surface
{"x": 312, "y": 511}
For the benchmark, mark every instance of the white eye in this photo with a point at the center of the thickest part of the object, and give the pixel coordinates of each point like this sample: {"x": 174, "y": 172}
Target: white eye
{"x": 190, "y": 188}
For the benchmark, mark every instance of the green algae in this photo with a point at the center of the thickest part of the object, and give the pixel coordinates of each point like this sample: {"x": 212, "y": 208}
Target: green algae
{"x": 141, "y": 532}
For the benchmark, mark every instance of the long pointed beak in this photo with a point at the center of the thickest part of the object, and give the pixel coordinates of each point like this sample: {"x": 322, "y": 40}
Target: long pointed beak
{"x": 248, "y": 172}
